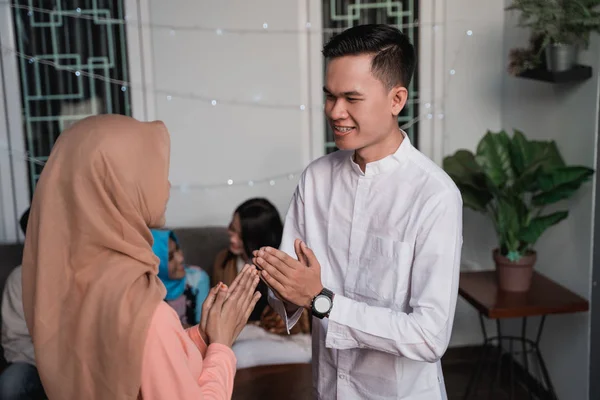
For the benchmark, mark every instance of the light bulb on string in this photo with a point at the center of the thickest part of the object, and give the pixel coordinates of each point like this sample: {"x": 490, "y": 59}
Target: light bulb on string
{"x": 469, "y": 33}
{"x": 230, "y": 182}
{"x": 272, "y": 183}
{"x": 308, "y": 25}
{"x": 302, "y": 107}
{"x": 250, "y": 183}
{"x": 123, "y": 88}
{"x": 452, "y": 72}
{"x": 219, "y": 32}
{"x": 265, "y": 25}
{"x": 213, "y": 102}
{"x": 169, "y": 98}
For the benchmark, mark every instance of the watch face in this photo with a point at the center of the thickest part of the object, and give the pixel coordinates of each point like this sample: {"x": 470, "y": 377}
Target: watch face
{"x": 322, "y": 304}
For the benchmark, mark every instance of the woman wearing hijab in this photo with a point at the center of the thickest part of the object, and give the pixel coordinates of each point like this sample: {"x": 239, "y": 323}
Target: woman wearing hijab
{"x": 91, "y": 295}
{"x": 187, "y": 286}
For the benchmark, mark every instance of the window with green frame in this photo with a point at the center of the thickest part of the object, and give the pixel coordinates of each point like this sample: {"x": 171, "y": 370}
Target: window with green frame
{"x": 76, "y": 39}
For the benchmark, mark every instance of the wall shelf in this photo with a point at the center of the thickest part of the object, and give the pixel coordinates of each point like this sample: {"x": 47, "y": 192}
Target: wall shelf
{"x": 578, "y": 73}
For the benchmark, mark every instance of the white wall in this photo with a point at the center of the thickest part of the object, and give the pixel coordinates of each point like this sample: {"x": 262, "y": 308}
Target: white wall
{"x": 473, "y": 104}
{"x": 212, "y": 144}
{"x": 481, "y": 96}
{"x": 567, "y": 114}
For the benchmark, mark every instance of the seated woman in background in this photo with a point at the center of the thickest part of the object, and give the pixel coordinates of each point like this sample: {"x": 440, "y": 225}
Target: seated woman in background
{"x": 264, "y": 341}
{"x": 187, "y": 286}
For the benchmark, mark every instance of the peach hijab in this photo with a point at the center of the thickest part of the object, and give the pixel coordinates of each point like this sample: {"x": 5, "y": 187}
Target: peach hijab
{"x": 90, "y": 284}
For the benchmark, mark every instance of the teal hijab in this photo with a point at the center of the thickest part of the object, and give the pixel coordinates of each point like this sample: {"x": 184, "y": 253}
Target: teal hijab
{"x": 175, "y": 287}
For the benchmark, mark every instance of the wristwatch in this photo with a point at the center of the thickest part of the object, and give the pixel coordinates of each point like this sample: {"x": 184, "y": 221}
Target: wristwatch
{"x": 322, "y": 304}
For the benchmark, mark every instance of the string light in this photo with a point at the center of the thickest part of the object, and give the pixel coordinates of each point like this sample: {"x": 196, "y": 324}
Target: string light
{"x": 272, "y": 181}
{"x": 129, "y": 21}
{"x": 185, "y": 187}
{"x": 170, "y": 95}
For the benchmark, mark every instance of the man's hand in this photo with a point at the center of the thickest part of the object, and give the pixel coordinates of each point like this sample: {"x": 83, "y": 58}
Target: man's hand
{"x": 297, "y": 281}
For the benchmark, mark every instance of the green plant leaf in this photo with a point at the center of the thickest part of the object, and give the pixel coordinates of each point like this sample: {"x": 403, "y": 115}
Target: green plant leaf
{"x": 474, "y": 199}
{"x": 531, "y": 233}
{"x": 555, "y": 195}
{"x": 547, "y": 154}
{"x": 507, "y": 224}
{"x": 464, "y": 170}
{"x": 562, "y": 176}
{"x": 521, "y": 153}
{"x": 493, "y": 155}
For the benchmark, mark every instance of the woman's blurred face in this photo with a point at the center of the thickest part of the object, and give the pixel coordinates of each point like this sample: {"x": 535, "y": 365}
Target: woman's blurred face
{"x": 236, "y": 245}
{"x": 176, "y": 266}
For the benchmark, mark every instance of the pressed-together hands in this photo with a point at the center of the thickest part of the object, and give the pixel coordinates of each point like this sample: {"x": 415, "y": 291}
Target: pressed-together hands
{"x": 295, "y": 281}
{"x": 225, "y": 311}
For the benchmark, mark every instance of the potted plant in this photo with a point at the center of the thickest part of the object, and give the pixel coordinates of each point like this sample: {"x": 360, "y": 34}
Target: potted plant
{"x": 513, "y": 180}
{"x": 563, "y": 25}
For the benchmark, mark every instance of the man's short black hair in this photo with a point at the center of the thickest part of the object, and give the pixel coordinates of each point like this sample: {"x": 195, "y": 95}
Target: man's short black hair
{"x": 394, "y": 58}
{"x": 24, "y": 220}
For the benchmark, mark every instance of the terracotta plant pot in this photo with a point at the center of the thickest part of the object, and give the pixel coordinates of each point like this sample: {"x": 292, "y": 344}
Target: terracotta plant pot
{"x": 514, "y": 276}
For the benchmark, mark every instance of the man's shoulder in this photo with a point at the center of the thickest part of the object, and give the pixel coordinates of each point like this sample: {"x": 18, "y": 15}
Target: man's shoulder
{"x": 328, "y": 161}
{"x": 435, "y": 179}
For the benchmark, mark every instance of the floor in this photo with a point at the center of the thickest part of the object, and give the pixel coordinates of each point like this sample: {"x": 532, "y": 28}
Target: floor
{"x": 293, "y": 382}
{"x": 458, "y": 365}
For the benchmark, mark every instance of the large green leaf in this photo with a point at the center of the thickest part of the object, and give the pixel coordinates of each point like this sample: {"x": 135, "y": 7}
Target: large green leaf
{"x": 463, "y": 169}
{"x": 493, "y": 155}
{"x": 521, "y": 153}
{"x": 562, "y": 176}
{"x": 474, "y": 199}
{"x": 531, "y": 233}
{"x": 555, "y": 195}
{"x": 507, "y": 224}
{"x": 546, "y": 152}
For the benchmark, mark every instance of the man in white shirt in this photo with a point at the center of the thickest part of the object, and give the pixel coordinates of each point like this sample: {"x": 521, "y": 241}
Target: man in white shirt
{"x": 20, "y": 380}
{"x": 377, "y": 230}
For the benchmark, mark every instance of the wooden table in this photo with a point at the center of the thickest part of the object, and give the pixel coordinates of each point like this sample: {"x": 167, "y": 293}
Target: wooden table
{"x": 289, "y": 381}
{"x": 545, "y": 297}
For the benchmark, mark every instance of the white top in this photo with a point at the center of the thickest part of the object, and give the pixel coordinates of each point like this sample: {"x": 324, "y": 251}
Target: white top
{"x": 389, "y": 244}
{"x": 16, "y": 341}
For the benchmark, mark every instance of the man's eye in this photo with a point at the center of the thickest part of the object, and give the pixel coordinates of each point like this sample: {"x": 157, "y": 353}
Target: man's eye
{"x": 352, "y": 99}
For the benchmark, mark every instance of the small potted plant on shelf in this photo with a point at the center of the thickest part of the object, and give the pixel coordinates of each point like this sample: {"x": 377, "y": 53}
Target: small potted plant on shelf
{"x": 513, "y": 180}
{"x": 564, "y": 26}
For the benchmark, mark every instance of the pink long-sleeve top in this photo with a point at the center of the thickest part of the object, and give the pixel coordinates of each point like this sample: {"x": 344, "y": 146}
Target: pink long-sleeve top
{"x": 177, "y": 364}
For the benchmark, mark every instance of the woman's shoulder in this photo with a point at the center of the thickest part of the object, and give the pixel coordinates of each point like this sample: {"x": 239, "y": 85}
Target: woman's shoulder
{"x": 164, "y": 319}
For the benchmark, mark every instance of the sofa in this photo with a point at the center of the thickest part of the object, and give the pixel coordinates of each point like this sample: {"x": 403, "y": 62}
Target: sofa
{"x": 200, "y": 247}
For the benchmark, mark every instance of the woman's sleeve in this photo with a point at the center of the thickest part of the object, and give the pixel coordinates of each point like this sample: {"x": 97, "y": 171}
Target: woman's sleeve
{"x": 173, "y": 366}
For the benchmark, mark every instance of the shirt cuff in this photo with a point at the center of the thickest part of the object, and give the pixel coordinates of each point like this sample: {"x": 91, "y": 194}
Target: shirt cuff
{"x": 337, "y": 333}
{"x": 194, "y": 334}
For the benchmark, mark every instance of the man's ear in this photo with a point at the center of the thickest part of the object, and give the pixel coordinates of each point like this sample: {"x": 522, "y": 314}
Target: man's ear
{"x": 399, "y": 96}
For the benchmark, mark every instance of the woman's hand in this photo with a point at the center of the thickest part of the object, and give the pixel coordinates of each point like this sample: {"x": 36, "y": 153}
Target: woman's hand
{"x": 232, "y": 308}
{"x": 206, "y": 306}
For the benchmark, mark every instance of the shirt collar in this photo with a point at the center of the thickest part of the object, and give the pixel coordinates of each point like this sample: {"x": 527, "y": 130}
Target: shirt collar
{"x": 386, "y": 163}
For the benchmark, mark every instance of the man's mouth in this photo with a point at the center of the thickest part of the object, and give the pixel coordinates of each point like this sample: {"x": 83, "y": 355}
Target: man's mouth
{"x": 342, "y": 130}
